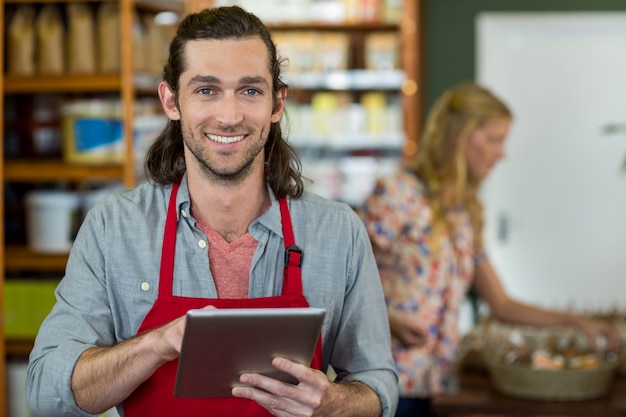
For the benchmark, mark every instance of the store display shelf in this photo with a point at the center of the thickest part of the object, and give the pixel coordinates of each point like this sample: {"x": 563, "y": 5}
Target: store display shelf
{"x": 347, "y": 80}
{"x": 144, "y": 83}
{"x": 52, "y": 1}
{"x": 347, "y": 142}
{"x": 53, "y": 170}
{"x": 22, "y": 258}
{"x": 19, "y": 348}
{"x": 176, "y": 6}
{"x": 154, "y": 5}
{"x": 331, "y": 26}
{"x": 62, "y": 83}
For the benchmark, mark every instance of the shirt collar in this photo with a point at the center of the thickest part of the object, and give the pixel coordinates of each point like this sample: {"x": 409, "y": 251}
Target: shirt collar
{"x": 271, "y": 219}
{"x": 183, "y": 200}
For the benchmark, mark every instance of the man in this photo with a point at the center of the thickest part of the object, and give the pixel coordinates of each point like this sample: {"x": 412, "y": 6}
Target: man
{"x": 211, "y": 228}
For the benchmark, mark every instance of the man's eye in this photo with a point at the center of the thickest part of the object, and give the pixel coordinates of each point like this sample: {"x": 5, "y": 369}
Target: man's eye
{"x": 205, "y": 91}
{"x": 252, "y": 92}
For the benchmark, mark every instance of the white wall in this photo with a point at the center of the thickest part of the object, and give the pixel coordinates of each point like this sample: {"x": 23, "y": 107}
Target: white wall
{"x": 556, "y": 207}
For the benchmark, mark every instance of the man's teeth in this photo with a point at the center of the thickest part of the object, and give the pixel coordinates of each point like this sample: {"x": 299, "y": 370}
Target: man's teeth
{"x": 225, "y": 139}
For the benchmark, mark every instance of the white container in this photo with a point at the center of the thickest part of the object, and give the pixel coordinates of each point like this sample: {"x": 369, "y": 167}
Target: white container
{"x": 93, "y": 197}
{"x": 53, "y": 218}
{"x": 16, "y": 389}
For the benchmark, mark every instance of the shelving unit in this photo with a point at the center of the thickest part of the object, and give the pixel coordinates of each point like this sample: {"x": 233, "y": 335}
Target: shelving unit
{"x": 332, "y": 154}
{"x": 126, "y": 84}
{"x": 404, "y": 81}
{"x": 3, "y": 384}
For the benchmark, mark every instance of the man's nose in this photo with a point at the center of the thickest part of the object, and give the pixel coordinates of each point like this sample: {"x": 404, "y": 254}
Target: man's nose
{"x": 229, "y": 111}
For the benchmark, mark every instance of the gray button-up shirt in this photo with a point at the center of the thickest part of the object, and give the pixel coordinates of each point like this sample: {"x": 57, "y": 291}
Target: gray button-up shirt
{"x": 112, "y": 281}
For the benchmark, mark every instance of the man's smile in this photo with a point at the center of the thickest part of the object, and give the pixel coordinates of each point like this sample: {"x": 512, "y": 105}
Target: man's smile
{"x": 225, "y": 139}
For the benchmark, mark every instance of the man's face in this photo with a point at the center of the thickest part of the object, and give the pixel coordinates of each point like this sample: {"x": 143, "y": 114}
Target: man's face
{"x": 225, "y": 106}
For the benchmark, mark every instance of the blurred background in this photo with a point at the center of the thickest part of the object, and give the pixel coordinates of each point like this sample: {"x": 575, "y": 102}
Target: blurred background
{"x": 79, "y": 110}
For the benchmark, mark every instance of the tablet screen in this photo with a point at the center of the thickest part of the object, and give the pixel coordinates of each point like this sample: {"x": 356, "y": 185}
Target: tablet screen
{"x": 221, "y": 344}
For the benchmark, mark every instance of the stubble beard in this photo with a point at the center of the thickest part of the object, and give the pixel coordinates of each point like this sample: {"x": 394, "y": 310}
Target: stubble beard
{"x": 233, "y": 175}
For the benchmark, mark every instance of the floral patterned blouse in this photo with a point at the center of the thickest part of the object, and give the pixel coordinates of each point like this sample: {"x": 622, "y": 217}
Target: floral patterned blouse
{"x": 424, "y": 280}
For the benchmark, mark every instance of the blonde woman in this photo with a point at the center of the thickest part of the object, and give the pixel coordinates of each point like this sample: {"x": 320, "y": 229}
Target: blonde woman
{"x": 425, "y": 224}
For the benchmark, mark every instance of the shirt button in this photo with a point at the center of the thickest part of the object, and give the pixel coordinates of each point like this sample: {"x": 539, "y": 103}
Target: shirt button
{"x": 202, "y": 243}
{"x": 145, "y": 286}
{"x": 184, "y": 213}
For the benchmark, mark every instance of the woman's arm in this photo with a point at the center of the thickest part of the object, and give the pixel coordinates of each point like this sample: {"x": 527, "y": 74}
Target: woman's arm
{"x": 408, "y": 334}
{"x": 505, "y": 308}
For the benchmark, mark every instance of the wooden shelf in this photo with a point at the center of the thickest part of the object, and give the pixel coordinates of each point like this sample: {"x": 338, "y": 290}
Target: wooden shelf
{"x": 122, "y": 85}
{"x": 175, "y": 6}
{"x": 340, "y": 27}
{"x": 53, "y": 1}
{"x": 49, "y": 170}
{"x": 62, "y": 83}
{"x": 144, "y": 83}
{"x": 24, "y": 259}
{"x": 152, "y": 5}
{"x": 20, "y": 348}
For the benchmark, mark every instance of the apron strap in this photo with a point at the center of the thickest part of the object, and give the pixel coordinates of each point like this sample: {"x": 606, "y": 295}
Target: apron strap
{"x": 292, "y": 275}
{"x": 168, "y": 250}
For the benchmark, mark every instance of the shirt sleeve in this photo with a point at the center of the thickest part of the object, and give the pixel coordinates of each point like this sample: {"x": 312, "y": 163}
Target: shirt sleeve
{"x": 362, "y": 351}
{"x": 79, "y": 320}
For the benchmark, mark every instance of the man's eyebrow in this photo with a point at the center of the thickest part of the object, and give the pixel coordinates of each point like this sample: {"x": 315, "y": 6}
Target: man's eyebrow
{"x": 253, "y": 80}
{"x": 210, "y": 79}
{"x": 204, "y": 79}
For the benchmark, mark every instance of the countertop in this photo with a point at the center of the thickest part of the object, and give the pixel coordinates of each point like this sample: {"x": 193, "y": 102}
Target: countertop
{"x": 476, "y": 397}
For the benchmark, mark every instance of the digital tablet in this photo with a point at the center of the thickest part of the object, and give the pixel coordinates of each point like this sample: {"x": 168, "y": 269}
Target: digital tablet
{"x": 221, "y": 344}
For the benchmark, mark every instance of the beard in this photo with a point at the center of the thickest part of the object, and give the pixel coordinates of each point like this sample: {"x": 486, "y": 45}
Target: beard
{"x": 209, "y": 161}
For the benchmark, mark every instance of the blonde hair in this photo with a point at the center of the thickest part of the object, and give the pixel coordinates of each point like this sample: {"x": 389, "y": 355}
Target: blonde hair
{"x": 441, "y": 162}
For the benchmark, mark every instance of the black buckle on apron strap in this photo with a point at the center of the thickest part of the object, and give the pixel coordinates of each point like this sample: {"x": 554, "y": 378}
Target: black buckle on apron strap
{"x": 296, "y": 250}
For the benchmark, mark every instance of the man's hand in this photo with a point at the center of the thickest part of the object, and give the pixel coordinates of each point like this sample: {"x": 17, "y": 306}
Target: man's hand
{"x": 105, "y": 376}
{"x": 314, "y": 395}
{"x": 169, "y": 339}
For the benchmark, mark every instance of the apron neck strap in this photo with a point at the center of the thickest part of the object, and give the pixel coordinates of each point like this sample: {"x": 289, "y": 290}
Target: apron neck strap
{"x": 168, "y": 249}
{"x": 292, "y": 274}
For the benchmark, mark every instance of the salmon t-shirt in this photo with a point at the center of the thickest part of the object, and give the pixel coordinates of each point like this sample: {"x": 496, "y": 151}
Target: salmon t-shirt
{"x": 229, "y": 262}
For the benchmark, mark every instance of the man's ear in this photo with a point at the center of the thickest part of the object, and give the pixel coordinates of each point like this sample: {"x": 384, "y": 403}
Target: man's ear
{"x": 168, "y": 101}
{"x": 279, "y": 108}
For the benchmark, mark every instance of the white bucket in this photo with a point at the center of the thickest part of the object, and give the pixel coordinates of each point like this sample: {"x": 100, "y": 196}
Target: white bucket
{"x": 52, "y": 220}
{"x": 16, "y": 388}
{"x": 91, "y": 198}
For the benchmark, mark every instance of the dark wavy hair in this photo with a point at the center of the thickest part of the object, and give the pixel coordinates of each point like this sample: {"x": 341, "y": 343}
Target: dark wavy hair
{"x": 165, "y": 158}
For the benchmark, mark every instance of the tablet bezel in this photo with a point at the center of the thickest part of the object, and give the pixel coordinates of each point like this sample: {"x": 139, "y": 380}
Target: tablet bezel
{"x": 221, "y": 344}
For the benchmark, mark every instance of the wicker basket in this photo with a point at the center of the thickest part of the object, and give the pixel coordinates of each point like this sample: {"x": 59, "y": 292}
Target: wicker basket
{"x": 522, "y": 381}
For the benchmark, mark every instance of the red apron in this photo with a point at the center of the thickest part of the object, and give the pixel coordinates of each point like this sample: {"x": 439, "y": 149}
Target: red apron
{"x": 155, "y": 397}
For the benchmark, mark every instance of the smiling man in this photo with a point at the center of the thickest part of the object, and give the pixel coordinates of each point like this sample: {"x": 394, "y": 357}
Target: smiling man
{"x": 211, "y": 228}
